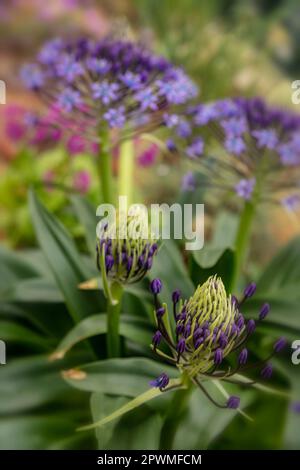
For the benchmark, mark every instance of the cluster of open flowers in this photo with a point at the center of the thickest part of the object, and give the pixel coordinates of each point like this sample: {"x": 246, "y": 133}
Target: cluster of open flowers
{"x": 110, "y": 83}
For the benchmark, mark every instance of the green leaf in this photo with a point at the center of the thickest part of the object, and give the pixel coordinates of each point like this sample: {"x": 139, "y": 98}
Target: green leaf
{"x": 131, "y": 405}
{"x": 210, "y": 261}
{"x": 64, "y": 260}
{"x": 135, "y": 329}
{"x": 123, "y": 377}
{"x": 13, "y": 269}
{"x": 14, "y": 333}
{"x": 86, "y": 214}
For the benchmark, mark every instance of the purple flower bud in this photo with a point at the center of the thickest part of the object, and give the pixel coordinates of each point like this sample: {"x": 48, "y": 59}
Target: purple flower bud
{"x": 223, "y": 340}
{"x": 234, "y": 301}
{"x": 198, "y": 342}
{"x": 156, "y": 286}
{"x": 198, "y": 332}
{"x": 243, "y": 356}
{"x": 250, "y": 290}
{"x": 187, "y": 330}
{"x": 148, "y": 264}
{"x": 161, "y": 382}
{"x": 129, "y": 264}
{"x": 179, "y": 328}
{"x": 156, "y": 338}
{"x": 233, "y": 402}
{"x": 180, "y": 347}
{"x": 279, "y": 345}
{"x": 176, "y": 296}
{"x": 160, "y": 312}
{"x": 141, "y": 261}
{"x": 267, "y": 371}
{"x": 109, "y": 262}
{"x": 153, "y": 249}
{"x": 251, "y": 325}
{"x": 240, "y": 322}
{"x": 218, "y": 358}
{"x": 206, "y": 333}
{"x": 264, "y": 311}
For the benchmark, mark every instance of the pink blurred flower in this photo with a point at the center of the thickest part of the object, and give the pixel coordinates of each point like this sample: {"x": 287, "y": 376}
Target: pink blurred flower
{"x": 76, "y": 144}
{"x": 148, "y": 157}
{"x": 82, "y": 181}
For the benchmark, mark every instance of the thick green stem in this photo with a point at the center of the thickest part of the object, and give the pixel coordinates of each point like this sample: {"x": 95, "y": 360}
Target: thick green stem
{"x": 174, "y": 416}
{"x": 104, "y": 166}
{"x": 126, "y": 168}
{"x": 113, "y": 320}
{"x": 241, "y": 241}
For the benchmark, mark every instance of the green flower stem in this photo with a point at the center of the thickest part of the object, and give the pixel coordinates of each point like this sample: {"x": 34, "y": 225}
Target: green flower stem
{"x": 174, "y": 416}
{"x": 104, "y": 166}
{"x": 113, "y": 320}
{"x": 126, "y": 167}
{"x": 241, "y": 241}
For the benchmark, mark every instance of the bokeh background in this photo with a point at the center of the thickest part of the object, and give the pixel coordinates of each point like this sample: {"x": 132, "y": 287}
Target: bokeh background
{"x": 229, "y": 47}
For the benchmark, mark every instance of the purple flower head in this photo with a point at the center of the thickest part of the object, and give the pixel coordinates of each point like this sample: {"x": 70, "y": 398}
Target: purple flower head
{"x": 234, "y": 127}
{"x": 266, "y": 138}
{"x": 105, "y": 91}
{"x": 279, "y": 345}
{"x": 69, "y": 68}
{"x": 76, "y": 144}
{"x": 188, "y": 182}
{"x": 245, "y": 188}
{"x": 267, "y": 371}
{"x": 208, "y": 329}
{"x": 264, "y": 311}
{"x": 82, "y": 181}
{"x": 161, "y": 382}
{"x": 155, "y": 286}
{"x": 144, "y": 86}
{"x": 291, "y": 203}
{"x": 32, "y": 76}
{"x": 235, "y": 145}
{"x": 233, "y": 402}
{"x": 115, "y": 117}
{"x": 69, "y": 99}
{"x": 195, "y": 149}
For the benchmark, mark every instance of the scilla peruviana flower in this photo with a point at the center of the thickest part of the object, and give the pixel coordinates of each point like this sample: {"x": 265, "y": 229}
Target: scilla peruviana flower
{"x": 125, "y": 248}
{"x": 210, "y": 337}
{"x": 244, "y": 145}
{"x": 110, "y": 83}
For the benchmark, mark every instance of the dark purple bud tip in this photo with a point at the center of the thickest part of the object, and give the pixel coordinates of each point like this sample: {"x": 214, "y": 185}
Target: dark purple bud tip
{"x": 160, "y": 311}
{"x": 176, "y": 296}
{"x": 251, "y": 325}
{"x": 240, "y": 322}
{"x": 279, "y": 345}
{"x": 109, "y": 262}
{"x": 218, "y": 358}
{"x": 148, "y": 264}
{"x": 156, "y": 338}
{"x": 243, "y": 356}
{"x": 264, "y": 311}
{"x": 267, "y": 371}
{"x": 155, "y": 286}
{"x": 250, "y": 290}
{"x": 180, "y": 347}
{"x": 153, "y": 249}
{"x": 160, "y": 382}
{"x": 234, "y": 301}
{"x": 233, "y": 402}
